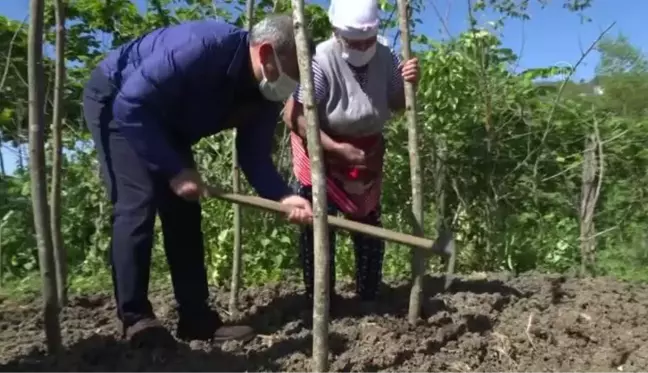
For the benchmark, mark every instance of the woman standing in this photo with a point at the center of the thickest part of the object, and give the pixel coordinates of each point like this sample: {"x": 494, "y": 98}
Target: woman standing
{"x": 358, "y": 84}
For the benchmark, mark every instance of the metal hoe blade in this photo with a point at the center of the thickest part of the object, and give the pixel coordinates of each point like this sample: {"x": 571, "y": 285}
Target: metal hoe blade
{"x": 445, "y": 245}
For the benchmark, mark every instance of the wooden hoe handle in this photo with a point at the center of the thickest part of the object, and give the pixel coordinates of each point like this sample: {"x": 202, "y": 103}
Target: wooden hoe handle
{"x": 272, "y": 206}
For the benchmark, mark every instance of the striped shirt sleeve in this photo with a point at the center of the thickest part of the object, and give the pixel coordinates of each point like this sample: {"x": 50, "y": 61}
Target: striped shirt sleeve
{"x": 320, "y": 84}
{"x": 396, "y": 85}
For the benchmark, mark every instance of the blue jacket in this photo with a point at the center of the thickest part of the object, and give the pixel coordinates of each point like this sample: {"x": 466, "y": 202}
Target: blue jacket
{"x": 179, "y": 84}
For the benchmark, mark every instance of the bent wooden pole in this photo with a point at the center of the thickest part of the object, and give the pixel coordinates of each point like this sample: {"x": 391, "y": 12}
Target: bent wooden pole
{"x": 441, "y": 246}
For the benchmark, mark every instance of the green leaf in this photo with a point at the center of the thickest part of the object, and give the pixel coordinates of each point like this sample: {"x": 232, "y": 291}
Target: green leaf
{"x": 224, "y": 235}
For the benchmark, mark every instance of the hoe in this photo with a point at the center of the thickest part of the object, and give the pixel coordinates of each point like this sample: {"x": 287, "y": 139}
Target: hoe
{"x": 443, "y": 245}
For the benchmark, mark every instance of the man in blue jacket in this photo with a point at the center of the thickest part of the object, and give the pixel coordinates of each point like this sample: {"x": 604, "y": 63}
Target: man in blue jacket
{"x": 146, "y": 104}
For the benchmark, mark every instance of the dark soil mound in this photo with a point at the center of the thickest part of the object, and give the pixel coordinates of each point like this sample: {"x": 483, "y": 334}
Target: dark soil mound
{"x": 493, "y": 323}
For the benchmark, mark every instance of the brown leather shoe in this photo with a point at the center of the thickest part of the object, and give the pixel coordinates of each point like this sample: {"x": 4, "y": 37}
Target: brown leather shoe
{"x": 149, "y": 333}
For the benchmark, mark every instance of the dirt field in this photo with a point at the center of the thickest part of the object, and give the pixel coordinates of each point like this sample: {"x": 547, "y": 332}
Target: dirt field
{"x": 529, "y": 323}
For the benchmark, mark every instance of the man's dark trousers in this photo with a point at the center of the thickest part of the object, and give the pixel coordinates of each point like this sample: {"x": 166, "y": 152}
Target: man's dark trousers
{"x": 137, "y": 194}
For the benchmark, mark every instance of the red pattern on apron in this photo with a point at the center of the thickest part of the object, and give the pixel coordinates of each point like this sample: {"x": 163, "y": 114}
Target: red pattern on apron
{"x": 356, "y": 192}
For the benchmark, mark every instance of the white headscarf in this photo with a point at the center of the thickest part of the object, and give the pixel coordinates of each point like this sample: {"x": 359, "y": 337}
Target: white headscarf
{"x": 355, "y": 19}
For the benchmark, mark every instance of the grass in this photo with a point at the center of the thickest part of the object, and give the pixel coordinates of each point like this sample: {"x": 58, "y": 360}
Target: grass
{"x": 30, "y": 287}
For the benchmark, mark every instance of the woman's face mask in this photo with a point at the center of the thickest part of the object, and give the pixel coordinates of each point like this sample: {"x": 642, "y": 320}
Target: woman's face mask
{"x": 357, "y": 57}
{"x": 280, "y": 89}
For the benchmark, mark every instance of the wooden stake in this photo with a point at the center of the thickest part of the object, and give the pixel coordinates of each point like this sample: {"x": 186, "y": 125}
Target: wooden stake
{"x": 35, "y": 78}
{"x": 60, "y": 256}
{"x": 320, "y": 223}
{"x": 418, "y": 258}
{"x": 236, "y": 187}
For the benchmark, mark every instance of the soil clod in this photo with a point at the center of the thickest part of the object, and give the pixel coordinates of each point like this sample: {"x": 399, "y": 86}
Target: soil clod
{"x": 496, "y": 323}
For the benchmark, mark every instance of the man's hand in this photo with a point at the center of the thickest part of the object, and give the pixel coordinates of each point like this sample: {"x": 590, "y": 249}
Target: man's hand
{"x": 410, "y": 71}
{"x": 350, "y": 154}
{"x": 188, "y": 185}
{"x": 301, "y": 211}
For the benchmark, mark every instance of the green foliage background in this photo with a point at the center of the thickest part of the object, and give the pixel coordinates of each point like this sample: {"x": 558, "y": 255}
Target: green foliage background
{"x": 502, "y": 153}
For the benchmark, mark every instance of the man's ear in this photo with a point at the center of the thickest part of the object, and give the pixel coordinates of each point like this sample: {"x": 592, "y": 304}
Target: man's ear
{"x": 267, "y": 61}
{"x": 265, "y": 53}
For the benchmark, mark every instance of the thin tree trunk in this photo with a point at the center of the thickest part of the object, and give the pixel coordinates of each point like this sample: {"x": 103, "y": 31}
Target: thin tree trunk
{"x": 19, "y": 147}
{"x": 445, "y": 208}
{"x": 37, "y": 175}
{"x": 1, "y": 255}
{"x": 3, "y": 171}
{"x": 418, "y": 258}
{"x": 57, "y": 150}
{"x": 321, "y": 283}
{"x": 236, "y": 187}
{"x": 3, "y": 80}
{"x": 284, "y": 158}
{"x": 590, "y": 190}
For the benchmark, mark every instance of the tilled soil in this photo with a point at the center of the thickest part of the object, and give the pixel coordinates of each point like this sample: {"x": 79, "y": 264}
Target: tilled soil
{"x": 483, "y": 323}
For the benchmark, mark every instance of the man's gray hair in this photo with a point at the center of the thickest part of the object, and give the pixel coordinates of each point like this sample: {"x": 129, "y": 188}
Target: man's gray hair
{"x": 276, "y": 29}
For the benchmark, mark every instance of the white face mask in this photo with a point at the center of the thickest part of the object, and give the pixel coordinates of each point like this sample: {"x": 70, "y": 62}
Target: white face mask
{"x": 280, "y": 89}
{"x": 358, "y": 58}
